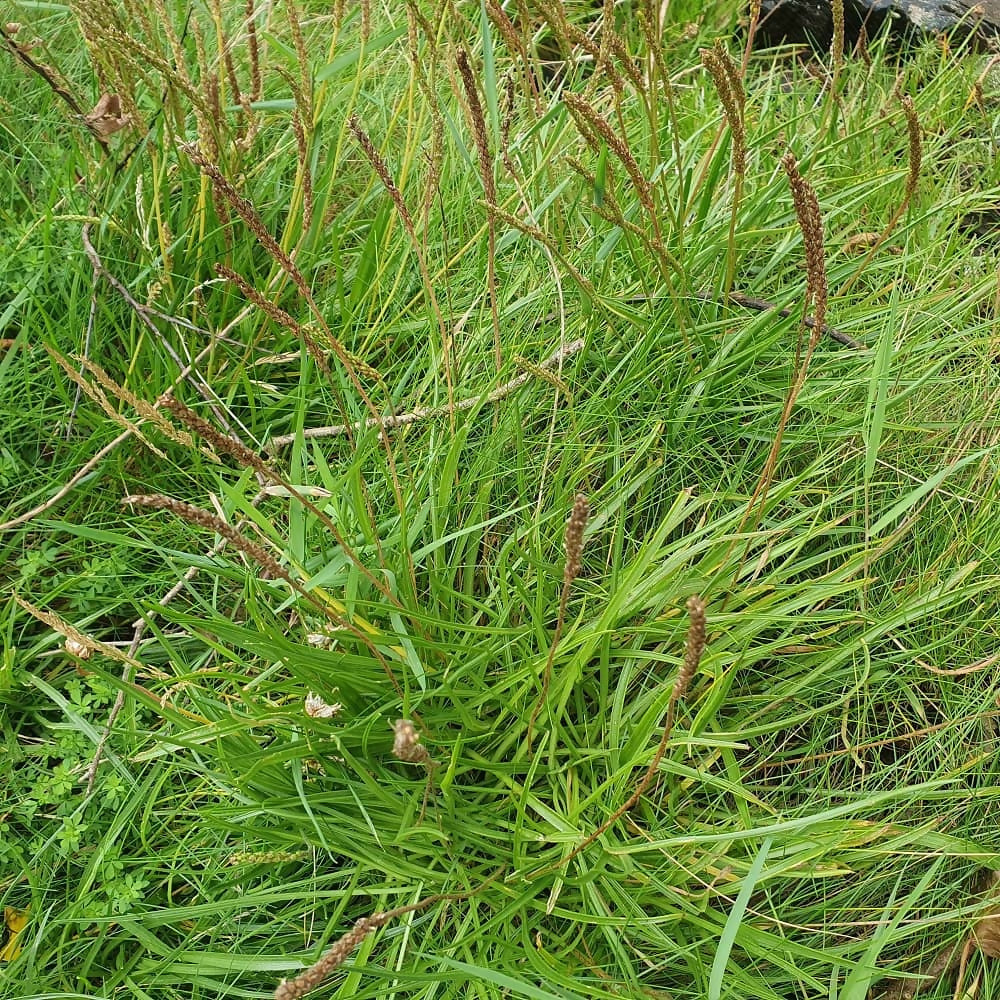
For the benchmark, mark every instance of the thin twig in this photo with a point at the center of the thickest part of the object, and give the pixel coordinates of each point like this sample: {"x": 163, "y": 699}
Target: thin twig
{"x": 91, "y": 315}
{"x": 145, "y": 314}
{"x": 961, "y": 671}
{"x": 63, "y": 490}
{"x": 762, "y": 305}
{"x": 748, "y": 302}
{"x": 391, "y": 422}
{"x": 54, "y": 79}
{"x": 554, "y": 360}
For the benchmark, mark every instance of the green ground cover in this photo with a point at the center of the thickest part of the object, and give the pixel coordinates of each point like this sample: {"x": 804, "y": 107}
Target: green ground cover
{"x": 533, "y": 237}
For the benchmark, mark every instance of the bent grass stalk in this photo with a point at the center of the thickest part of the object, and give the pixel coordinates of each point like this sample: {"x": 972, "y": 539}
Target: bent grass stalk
{"x": 259, "y": 555}
{"x": 810, "y": 220}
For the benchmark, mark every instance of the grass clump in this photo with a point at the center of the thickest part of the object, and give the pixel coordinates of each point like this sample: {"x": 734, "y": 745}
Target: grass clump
{"x": 557, "y": 554}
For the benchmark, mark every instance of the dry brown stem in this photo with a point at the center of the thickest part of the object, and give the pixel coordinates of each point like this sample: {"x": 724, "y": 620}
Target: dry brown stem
{"x": 489, "y": 187}
{"x": 377, "y": 161}
{"x": 147, "y": 316}
{"x": 55, "y": 80}
{"x": 393, "y": 421}
{"x": 764, "y": 305}
{"x": 914, "y": 161}
{"x": 810, "y": 221}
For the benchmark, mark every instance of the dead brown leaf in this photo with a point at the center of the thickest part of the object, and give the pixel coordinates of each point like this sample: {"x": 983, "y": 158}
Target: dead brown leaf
{"x": 865, "y": 241}
{"x": 986, "y": 934}
{"x": 106, "y": 118}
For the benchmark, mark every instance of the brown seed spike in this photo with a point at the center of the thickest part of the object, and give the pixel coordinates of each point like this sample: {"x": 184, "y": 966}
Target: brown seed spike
{"x": 695, "y": 646}
{"x": 250, "y": 19}
{"x": 489, "y": 188}
{"x": 306, "y": 982}
{"x": 730, "y": 88}
{"x": 915, "y": 147}
{"x": 575, "y": 527}
{"x": 377, "y": 161}
{"x": 205, "y": 519}
{"x": 810, "y": 220}
{"x": 596, "y": 128}
{"x": 837, "y": 48}
{"x": 223, "y": 442}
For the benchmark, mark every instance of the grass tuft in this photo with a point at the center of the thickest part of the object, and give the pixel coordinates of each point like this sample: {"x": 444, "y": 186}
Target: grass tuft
{"x": 383, "y": 292}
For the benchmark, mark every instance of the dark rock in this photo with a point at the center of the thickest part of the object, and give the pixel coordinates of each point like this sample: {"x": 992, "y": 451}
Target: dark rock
{"x": 811, "y": 21}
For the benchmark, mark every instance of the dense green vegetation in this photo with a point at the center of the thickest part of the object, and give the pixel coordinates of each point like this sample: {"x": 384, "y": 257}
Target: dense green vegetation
{"x": 534, "y": 237}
